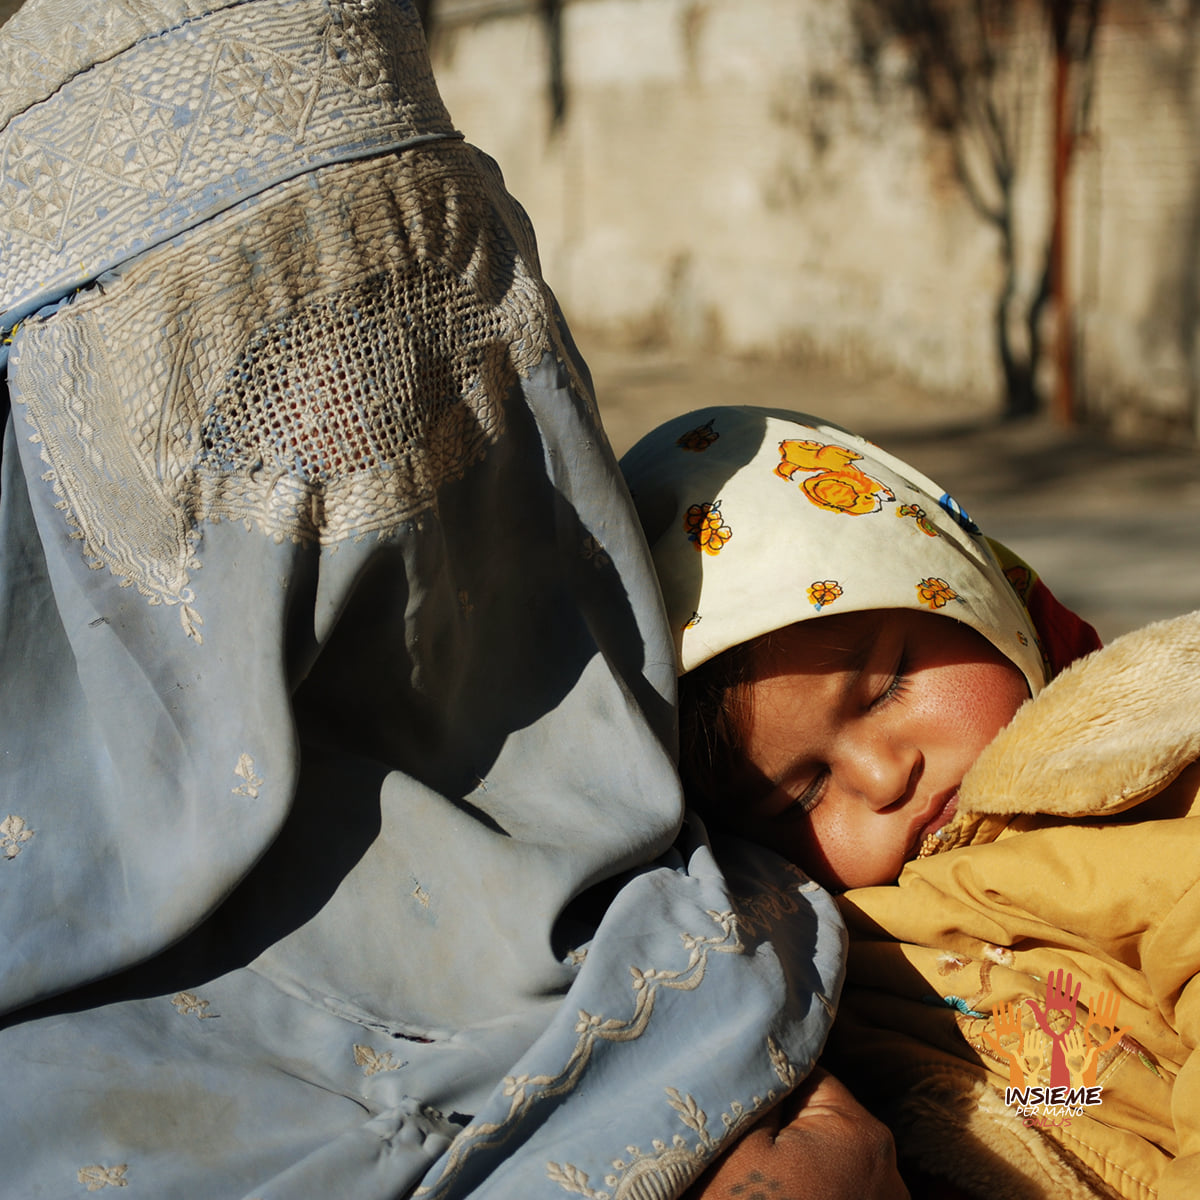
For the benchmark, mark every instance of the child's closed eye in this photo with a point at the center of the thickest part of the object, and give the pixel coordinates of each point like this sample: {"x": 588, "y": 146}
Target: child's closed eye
{"x": 809, "y": 798}
{"x": 897, "y": 685}
{"x": 785, "y": 807}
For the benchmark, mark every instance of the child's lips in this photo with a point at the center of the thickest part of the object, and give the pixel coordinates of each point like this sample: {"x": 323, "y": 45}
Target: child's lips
{"x": 942, "y": 816}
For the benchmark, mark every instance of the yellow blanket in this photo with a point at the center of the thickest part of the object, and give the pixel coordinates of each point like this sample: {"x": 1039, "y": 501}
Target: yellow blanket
{"x": 1054, "y": 942}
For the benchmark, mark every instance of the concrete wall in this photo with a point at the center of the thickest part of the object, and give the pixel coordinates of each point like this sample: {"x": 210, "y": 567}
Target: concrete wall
{"x": 722, "y": 179}
{"x": 1136, "y": 200}
{"x": 733, "y": 174}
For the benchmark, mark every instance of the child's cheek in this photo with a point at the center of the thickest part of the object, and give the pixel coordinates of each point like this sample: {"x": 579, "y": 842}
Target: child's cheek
{"x": 850, "y": 846}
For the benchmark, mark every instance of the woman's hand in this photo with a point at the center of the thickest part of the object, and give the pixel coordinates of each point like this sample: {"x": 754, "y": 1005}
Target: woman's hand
{"x": 819, "y": 1144}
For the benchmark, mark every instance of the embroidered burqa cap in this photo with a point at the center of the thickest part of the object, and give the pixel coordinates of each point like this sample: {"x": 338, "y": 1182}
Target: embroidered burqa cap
{"x": 342, "y": 845}
{"x": 758, "y": 518}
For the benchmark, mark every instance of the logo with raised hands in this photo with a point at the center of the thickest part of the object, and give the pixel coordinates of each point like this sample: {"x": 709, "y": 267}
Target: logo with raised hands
{"x": 1053, "y": 1060}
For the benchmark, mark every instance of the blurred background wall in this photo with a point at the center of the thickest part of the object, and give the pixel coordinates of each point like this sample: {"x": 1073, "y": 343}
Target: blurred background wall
{"x": 871, "y": 182}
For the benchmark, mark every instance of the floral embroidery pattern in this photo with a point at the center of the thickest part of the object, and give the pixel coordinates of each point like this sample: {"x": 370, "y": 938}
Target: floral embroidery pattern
{"x": 251, "y": 782}
{"x": 524, "y": 1091}
{"x": 949, "y": 963}
{"x": 188, "y": 1004}
{"x": 918, "y": 514}
{"x": 594, "y": 552}
{"x": 339, "y": 460}
{"x": 698, "y": 439}
{"x": 14, "y": 833}
{"x": 706, "y": 528}
{"x": 372, "y": 1062}
{"x": 97, "y": 1177}
{"x": 145, "y": 158}
{"x": 646, "y": 1174}
{"x": 1000, "y": 955}
{"x": 766, "y": 907}
{"x": 823, "y": 592}
{"x": 669, "y": 1169}
{"x": 692, "y": 621}
{"x": 789, "y": 1074}
{"x": 838, "y": 486}
{"x": 937, "y": 593}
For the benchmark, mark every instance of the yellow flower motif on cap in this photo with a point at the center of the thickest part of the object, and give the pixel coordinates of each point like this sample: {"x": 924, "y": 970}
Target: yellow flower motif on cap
{"x": 937, "y": 593}
{"x": 705, "y": 527}
{"x": 698, "y": 439}
{"x": 918, "y": 514}
{"x": 1020, "y": 579}
{"x": 823, "y": 592}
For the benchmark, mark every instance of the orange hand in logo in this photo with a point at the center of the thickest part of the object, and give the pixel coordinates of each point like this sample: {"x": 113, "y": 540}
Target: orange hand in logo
{"x": 1033, "y": 1059}
{"x": 1080, "y": 1056}
{"x": 1102, "y": 1015}
{"x": 1007, "y": 1023}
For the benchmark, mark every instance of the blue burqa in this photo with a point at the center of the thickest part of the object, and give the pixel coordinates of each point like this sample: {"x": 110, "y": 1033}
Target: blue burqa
{"x": 342, "y": 852}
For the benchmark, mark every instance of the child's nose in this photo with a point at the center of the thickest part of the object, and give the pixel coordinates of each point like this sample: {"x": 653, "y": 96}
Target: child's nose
{"x": 883, "y": 771}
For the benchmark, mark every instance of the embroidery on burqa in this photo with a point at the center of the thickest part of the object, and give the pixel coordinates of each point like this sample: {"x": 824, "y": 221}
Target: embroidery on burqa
{"x": 44, "y": 49}
{"x": 174, "y": 128}
{"x": 669, "y": 1168}
{"x": 251, "y": 781}
{"x": 338, "y": 417}
{"x": 372, "y": 1062}
{"x": 14, "y": 834}
{"x": 664, "y": 1168}
{"x": 188, "y": 1004}
{"x": 765, "y": 908}
{"x": 97, "y": 1176}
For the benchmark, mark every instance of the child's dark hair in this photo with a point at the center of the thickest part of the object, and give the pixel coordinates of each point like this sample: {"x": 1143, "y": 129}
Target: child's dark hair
{"x": 714, "y": 712}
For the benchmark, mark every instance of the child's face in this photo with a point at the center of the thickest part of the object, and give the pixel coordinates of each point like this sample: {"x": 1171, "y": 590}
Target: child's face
{"x": 860, "y": 729}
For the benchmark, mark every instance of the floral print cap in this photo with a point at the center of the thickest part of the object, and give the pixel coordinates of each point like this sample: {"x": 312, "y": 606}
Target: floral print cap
{"x": 758, "y": 518}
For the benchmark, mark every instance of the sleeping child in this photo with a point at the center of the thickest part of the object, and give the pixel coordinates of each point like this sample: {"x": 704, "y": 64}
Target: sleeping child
{"x": 875, "y": 690}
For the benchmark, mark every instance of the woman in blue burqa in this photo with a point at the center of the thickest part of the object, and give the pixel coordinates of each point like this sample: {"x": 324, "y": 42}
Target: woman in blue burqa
{"x": 342, "y": 852}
